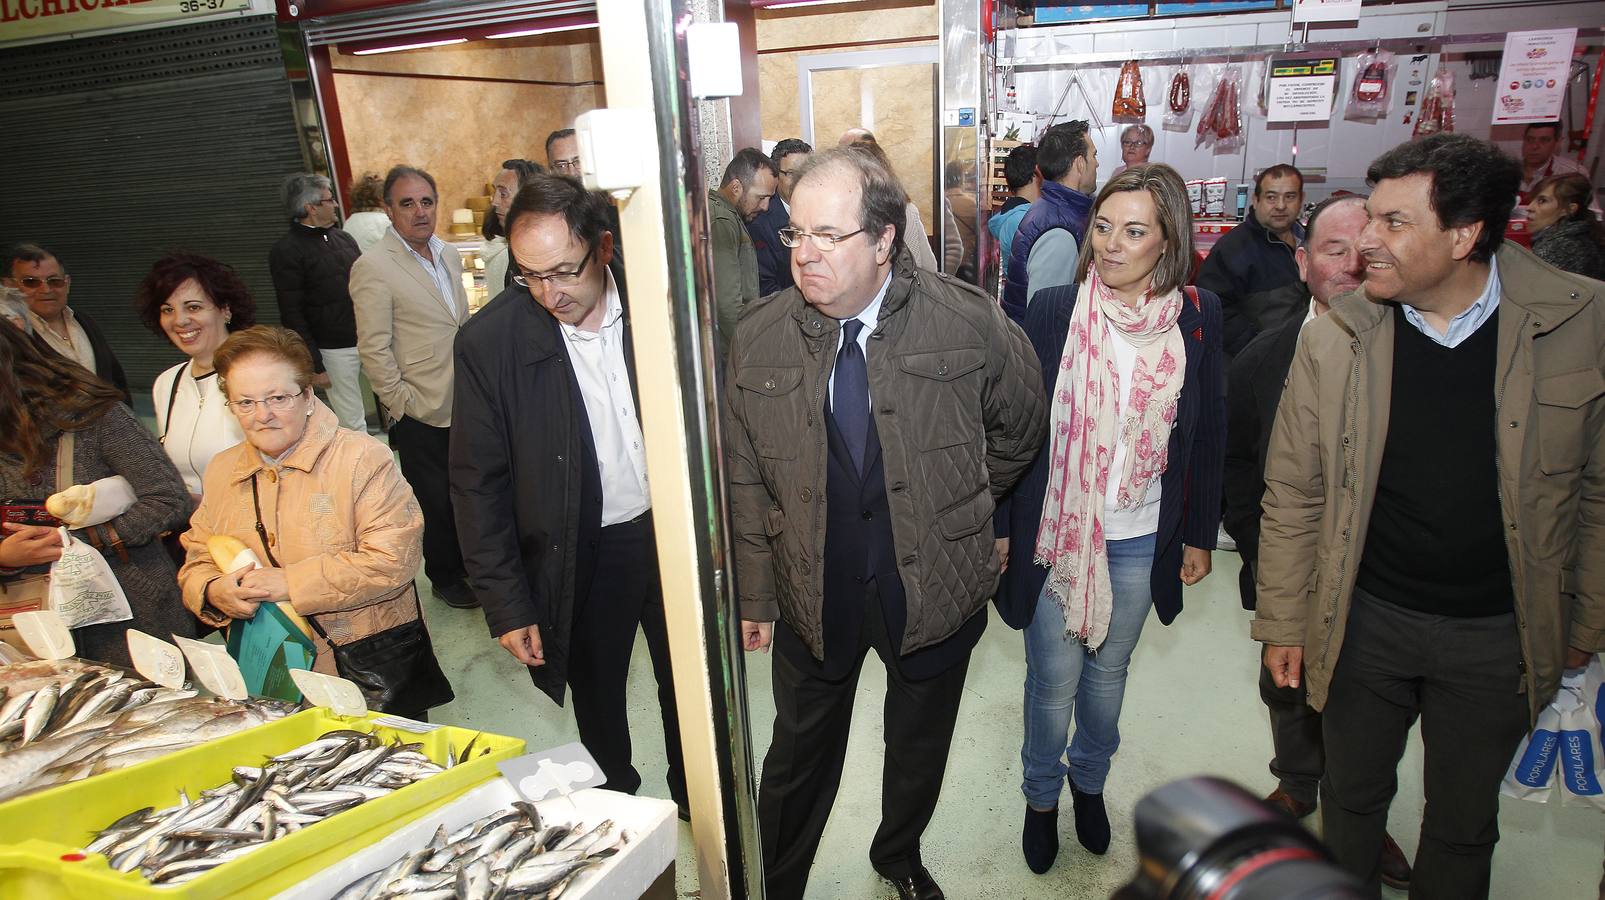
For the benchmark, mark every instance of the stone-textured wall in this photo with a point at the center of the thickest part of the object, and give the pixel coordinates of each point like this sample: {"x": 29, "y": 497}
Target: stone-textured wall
{"x": 460, "y": 131}
{"x": 899, "y": 100}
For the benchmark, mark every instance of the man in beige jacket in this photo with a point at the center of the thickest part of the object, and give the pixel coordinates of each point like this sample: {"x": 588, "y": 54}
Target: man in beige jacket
{"x": 1433, "y": 543}
{"x": 409, "y": 300}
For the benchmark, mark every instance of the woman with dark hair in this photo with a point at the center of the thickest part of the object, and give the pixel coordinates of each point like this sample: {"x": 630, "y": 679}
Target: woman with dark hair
{"x": 1566, "y": 233}
{"x": 1122, "y": 505}
{"x": 194, "y": 301}
{"x": 329, "y": 516}
{"x": 53, "y": 410}
{"x": 367, "y": 221}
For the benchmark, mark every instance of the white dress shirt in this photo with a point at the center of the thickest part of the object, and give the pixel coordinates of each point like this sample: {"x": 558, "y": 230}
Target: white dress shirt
{"x": 604, "y": 380}
{"x": 870, "y": 315}
{"x": 1469, "y": 320}
{"x": 436, "y": 269}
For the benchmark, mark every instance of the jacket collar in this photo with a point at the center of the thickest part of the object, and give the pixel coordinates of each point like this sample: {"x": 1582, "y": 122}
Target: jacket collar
{"x": 725, "y": 206}
{"x": 816, "y": 324}
{"x": 1549, "y": 295}
{"x": 1013, "y": 202}
{"x": 321, "y": 428}
{"x": 1058, "y": 194}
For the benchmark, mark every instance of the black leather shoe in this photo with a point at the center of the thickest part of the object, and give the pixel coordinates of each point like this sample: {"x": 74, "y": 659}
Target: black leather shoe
{"x": 1092, "y": 820}
{"x": 457, "y": 596}
{"x": 1039, "y": 839}
{"x": 919, "y": 886}
{"x": 1395, "y": 868}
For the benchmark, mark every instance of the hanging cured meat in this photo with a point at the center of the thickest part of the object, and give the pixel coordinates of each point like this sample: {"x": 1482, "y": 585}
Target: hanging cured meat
{"x": 1130, "y": 106}
{"x": 1368, "y": 100}
{"x": 1438, "y": 109}
{"x": 1179, "y": 102}
{"x": 1221, "y": 125}
{"x": 1181, "y": 93}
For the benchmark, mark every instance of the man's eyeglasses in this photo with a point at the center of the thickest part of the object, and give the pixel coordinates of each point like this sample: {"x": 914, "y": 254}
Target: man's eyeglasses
{"x": 567, "y": 166}
{"x": 277, "y": 402}
{"x": 793, "y": 237}
{"x": 34, "y": 283}
{"x": 328, "y": 200}
{"x": 556, "y": 279}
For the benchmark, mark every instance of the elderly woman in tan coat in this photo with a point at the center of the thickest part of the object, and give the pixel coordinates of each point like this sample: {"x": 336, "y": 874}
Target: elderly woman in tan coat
{"x": 329, "y": 515}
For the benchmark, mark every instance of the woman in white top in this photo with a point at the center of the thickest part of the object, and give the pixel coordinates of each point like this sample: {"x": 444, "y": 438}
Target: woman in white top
{"x": 367, "y": 222}
{"x": 194, "y": 301}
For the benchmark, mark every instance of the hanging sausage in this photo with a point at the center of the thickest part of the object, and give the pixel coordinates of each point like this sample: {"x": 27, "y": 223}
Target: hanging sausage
{"x": 1368, "y": 100}
{"x": 1438, "y": 108}
{"x": 1221, "y": 124}
{"x": 1130, "y": 105}
{"x": 1179, "y": 102}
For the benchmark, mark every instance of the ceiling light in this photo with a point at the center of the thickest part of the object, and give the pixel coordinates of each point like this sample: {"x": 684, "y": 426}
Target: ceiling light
{"x": 399, "y": 47}
{"x": 544, "y": 29}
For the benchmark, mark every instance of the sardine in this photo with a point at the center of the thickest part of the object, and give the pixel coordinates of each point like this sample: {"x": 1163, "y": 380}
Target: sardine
{"x": 39, "y": 712}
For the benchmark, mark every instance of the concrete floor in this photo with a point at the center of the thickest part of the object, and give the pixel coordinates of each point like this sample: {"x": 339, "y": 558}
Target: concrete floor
{"x": 1192, "y": 707}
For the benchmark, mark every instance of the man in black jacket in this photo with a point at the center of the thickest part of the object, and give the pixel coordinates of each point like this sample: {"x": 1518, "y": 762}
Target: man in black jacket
{"x": 311, "y": 269}
{"x": 555, "y": 521}
{"x": 1329, "y": 262}
{"x": 774, "y": 258}
{"x": 45, "y": 284}
{"x": 1251, "y": 268}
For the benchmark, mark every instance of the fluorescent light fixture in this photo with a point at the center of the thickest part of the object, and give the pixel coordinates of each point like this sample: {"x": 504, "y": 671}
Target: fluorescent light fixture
{"x": 543, "y": 29}
{"x": 788, "y": 4}
{"x": 400, "y": 47}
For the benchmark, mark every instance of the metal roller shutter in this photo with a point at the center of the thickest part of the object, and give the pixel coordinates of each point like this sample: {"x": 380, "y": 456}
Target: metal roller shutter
{"x": 121, "y": 148}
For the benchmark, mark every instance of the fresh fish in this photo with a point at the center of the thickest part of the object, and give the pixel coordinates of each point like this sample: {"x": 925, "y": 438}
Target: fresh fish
{"x": 473, "y": 881}
{"x": 19, "y": 767}
{"x": 39, "y": 712}
{"x": 15, "y": 704}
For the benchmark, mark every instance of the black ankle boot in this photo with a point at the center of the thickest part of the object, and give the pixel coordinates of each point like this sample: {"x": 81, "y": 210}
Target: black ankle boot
{"x": 1092, "y": 821}
{"x": 1040, "y": 839}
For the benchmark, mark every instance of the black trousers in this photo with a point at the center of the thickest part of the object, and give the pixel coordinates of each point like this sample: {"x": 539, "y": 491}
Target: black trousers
{"x": 423, "y": 449}
{"x": 803, "y": 768}
{"x": 1462, "y": 677}
{"x": 1295, "y": 737}
{"x": 624, "y": 594}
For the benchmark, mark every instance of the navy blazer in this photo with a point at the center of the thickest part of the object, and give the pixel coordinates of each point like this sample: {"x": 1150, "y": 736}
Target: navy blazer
{"x": 1190, "y": 488}
{"x": 774, "y": 258}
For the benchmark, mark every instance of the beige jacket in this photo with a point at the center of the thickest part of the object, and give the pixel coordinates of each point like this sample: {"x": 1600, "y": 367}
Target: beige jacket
{"x": 1326, "y": 451}
{"x": 405, "y": 332}
{"x": 340, "y": 520}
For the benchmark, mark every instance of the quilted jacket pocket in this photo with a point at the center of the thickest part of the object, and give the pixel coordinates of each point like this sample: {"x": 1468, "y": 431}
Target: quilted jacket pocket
{"x": 772, "y": 409}
{"x": 967, "y": 518}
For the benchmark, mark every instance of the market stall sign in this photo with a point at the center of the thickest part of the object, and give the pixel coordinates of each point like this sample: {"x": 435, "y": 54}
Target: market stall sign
{"x": 1532, "y": 75}
{"x": 26, "y": 19}
{"x": 1326, "y": 10}
{"x": 1302, "y": 90}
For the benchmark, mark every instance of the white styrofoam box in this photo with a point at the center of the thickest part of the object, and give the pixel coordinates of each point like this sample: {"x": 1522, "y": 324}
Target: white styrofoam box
{"x": 652, "y": 826}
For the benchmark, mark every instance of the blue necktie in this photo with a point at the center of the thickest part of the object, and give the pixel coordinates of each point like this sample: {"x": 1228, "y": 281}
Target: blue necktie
{"x": 850, "y": 396}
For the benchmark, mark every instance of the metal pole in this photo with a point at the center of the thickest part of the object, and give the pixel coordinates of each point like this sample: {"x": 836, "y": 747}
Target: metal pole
{"x": 643, "y": 58}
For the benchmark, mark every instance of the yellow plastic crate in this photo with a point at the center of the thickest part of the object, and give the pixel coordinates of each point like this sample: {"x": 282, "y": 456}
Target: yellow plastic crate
{"x": 46, "y": 831}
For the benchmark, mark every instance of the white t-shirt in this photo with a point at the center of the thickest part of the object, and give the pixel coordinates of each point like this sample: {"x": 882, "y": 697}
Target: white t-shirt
{"x": 1143, "y": 519}
{"x": 199, "y": 426}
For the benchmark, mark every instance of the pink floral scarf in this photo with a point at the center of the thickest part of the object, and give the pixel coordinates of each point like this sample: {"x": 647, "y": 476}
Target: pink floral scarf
{"x": 1085, "y": 433}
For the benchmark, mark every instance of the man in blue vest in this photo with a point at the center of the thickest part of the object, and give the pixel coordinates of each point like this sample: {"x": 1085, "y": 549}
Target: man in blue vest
{"x": 1048, "y": 241}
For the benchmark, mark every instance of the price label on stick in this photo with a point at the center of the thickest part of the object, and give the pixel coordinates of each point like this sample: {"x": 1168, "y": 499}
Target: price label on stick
{"x": 336, "y": 694}
{"x": 45, "y": 634}
{"x": 214, "y": 668}
{"x": 156, "y": 659}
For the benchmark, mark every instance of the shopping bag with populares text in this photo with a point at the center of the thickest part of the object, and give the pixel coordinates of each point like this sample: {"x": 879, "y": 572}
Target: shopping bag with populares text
{"x": 83, "y": 591}
{"x": 1532, "y": 772}
{"x": 1581, "y": 767}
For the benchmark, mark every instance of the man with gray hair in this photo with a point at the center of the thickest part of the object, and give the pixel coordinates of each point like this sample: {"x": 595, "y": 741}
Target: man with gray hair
{"x": 311, "y": 269}
{"x": 749, "y": 181}
{"x": 876, "y": 409}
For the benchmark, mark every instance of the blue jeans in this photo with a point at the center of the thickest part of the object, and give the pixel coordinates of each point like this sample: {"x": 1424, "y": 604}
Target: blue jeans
{"x": 1063, "y": 677}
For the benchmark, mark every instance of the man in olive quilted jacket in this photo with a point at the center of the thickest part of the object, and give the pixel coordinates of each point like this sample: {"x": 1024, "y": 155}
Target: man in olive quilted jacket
{"x": 875, "y": 411}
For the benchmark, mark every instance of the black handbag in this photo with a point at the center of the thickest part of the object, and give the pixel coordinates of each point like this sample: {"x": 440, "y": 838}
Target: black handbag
{"x": 396, "y": 669}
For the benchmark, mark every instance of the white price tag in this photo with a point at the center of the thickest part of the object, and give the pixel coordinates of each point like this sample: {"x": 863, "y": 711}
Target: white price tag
{"x": 45, "y": 634}
{"x": 214, "y": 668}
{"x": 330, "y": 692}
{"x": 156, "y": 659}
